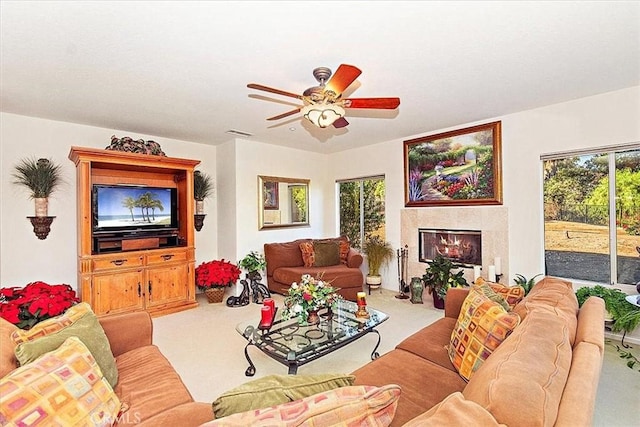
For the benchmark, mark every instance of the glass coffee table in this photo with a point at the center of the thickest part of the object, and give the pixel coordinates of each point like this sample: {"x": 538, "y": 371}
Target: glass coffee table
{"x": 293, "y": 344}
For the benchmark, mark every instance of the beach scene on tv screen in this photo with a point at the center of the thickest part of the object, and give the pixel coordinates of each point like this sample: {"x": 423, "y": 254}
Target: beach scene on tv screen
{"x": 130, "y": 207}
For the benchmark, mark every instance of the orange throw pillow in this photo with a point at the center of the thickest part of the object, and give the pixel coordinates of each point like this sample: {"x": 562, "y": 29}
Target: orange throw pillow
{"x": 308, "y": 254}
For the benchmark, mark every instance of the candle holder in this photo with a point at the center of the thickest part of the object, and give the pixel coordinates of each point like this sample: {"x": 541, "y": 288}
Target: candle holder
{"x": 362, "y": 312}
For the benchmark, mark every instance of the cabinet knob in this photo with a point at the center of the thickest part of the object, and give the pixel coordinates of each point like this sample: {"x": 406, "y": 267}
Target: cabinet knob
{"x": 167, "y": 257}
{"x": 118, "y": 261}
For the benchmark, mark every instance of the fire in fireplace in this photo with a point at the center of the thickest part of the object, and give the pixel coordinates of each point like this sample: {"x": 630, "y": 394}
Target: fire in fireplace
{"x": 460, "y": 246}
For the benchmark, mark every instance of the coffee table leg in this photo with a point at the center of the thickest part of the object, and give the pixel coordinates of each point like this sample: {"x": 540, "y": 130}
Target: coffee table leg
{"x": 374, "y": 353}
{"x": 293, "y": 364}
{"x": 251, "y": 370}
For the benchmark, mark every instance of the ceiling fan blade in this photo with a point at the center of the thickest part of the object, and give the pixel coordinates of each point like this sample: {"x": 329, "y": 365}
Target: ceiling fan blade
{"x": 340, "y": 123}
{"x": 272, "y": 90}
{"x": 381, "y": 103}
{"x": 283, "y": 115}
{"x": 343, "y": 77}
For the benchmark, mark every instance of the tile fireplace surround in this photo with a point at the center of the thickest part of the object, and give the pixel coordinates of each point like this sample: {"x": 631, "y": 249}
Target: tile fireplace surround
{"x": 491, "y": 220}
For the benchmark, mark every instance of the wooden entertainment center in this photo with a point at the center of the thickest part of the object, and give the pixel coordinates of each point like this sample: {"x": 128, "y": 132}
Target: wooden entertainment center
{"x": 122, "y": 272}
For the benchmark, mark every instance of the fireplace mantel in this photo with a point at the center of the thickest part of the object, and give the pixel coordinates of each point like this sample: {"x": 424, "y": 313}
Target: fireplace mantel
{"x": 492, "y": 221}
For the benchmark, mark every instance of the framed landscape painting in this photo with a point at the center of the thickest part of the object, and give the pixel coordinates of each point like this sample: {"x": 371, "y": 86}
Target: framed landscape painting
{"x": 456, "y": 168}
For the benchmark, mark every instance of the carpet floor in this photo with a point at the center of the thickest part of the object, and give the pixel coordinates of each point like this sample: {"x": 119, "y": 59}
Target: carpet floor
{"x": 208, "y": 353}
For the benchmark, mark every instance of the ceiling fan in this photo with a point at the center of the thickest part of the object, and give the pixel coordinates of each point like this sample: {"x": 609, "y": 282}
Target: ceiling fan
{"x": 323, "y": 104}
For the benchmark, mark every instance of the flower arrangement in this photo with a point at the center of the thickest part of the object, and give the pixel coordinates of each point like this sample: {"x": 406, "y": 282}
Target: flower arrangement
{"x": 216, "y": 274}
{"x": 311, "y": 294}
{"x": 38, "y": 301}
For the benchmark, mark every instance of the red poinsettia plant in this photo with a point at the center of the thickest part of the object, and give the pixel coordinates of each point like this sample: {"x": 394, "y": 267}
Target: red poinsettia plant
{"x": 216, "y": 274}
{"x": 38, "y": 301}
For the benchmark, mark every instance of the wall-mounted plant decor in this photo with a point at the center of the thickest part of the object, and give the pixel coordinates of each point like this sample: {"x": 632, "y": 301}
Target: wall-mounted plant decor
{"x": 202, "y": 188}
{"x": 41, "y": 177}
{"x": 460, "y": 167}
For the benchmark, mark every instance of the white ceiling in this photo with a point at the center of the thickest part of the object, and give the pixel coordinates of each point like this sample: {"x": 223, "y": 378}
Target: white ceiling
{"x": 180, "y": 69}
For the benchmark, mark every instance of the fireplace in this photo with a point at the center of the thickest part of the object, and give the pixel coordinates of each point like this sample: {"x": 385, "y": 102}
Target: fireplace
{"x": 460, "y": 246}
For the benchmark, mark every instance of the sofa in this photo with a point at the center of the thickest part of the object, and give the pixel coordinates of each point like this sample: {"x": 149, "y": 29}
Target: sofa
{"x": 544, "y": 373}
{"x": 288, "y": 261}
{"x": 150, "y": 391}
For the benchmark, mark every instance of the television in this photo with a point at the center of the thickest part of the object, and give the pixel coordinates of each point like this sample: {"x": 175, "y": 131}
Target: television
{"x": 133, "y": 208}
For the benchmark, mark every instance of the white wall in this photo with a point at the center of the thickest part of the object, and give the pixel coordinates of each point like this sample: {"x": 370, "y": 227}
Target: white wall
{"x": 596, "y": 121}
{"x": 256, "y": 158}
{"x": 24, "y": 258}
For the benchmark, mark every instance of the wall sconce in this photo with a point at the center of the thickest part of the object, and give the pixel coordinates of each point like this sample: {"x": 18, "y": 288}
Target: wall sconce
{"x": 198, "y": 221}
{"x": 41, "y": 225}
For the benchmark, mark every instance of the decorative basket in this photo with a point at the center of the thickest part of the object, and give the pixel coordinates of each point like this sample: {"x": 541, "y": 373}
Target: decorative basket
{"x": 214, "y": 294}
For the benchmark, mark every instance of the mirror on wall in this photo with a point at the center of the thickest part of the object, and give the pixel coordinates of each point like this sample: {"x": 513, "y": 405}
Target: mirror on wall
{"x": 282, "y": 202}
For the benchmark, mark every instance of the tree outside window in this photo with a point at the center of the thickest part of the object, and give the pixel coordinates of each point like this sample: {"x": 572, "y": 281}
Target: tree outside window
{"x": 362, "y": 209}
{"x": 592, "y": 216}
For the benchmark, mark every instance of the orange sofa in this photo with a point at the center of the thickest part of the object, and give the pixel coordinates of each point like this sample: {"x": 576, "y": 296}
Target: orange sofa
{"x": 285, "y": 265}
{"x": 150, "y": 390}
{"x": 544, "y": 374}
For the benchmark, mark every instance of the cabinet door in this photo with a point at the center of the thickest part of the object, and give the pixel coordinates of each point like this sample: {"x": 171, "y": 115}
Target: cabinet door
{"x": 118, "y": 292}
{"x": 166, "y": 285}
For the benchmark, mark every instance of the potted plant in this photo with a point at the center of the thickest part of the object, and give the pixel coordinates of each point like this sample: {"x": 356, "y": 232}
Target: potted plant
{"x": 439, "y": 276}
{"x": 526, "y": 284}
{"x": 623, "y": 315}
{"x": 378, "y": 253}
{"x": 38, "y": 301}
{"x": 202, "y": 188}
{"x": 41, "y": 177}
{"x": 304, "y": 299}
{"x": 254, "y": 263}
{"x": 213, "y": 276}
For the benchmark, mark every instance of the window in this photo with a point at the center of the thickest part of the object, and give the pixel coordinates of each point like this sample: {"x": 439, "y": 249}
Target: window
{"x": 592, "y": 215}
{"x": 361, "y": 203}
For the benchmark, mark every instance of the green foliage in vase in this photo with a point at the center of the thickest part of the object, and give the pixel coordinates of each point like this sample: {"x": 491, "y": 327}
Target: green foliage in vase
{"x": 378, "y": 253}
{"x": 40, "y": 176}
{"x": 202, "y": 185}
{"x": 439, "y": 276}
{"x": 626, "y": 316}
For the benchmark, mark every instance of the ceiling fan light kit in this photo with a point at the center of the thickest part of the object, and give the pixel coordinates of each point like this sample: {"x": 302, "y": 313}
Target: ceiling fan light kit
{"x": 323, "y": 115}
{"x": 323, "y": 104}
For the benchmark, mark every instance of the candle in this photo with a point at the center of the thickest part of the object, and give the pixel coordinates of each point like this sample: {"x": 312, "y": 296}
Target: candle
{"x": 270, "y": 302}
{"x": 361, "y": 299}
{"x": 476, "y": 272}
{"x": 492, "y": 273}
{"x": 498, "y": 263}
{"x": 267, "y": 315}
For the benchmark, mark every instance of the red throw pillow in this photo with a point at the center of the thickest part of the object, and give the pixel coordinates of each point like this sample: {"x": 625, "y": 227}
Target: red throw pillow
{"x": 308, "y": 255}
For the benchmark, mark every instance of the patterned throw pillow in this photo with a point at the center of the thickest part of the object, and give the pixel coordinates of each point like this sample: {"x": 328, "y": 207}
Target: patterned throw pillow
{"x": 308, "y": 256}
{"x": 78, "y": 321}
{"x": 344, "y": 406}
{"x": 64, "y": 387}
{"x": 481, "y": 327}
{"x": 345, "y": 246}
{"x": 274, "y": 390}
{"x": 488, "y": 292}
{"x": 511, "y": 294}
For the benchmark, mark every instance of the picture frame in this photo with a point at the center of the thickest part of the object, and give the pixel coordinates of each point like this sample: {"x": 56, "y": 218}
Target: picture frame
{"x": 456, "y": 168}
{"x": 271, "y": 196}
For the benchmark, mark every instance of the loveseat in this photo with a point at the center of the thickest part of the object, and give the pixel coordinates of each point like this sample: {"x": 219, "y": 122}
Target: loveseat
{"x": 332, "y": 259}
{"x": 150, "y": 391}
{"x": 544, "y": 373}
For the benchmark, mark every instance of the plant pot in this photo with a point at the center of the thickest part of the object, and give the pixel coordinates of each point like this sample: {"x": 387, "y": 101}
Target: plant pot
{"x": 374, "y": 281}
{"x": 42, "y": 206}
{"x": 214, "y": 295}
{"x": 437, "y": 301}
{"x": 199, "y": 207}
